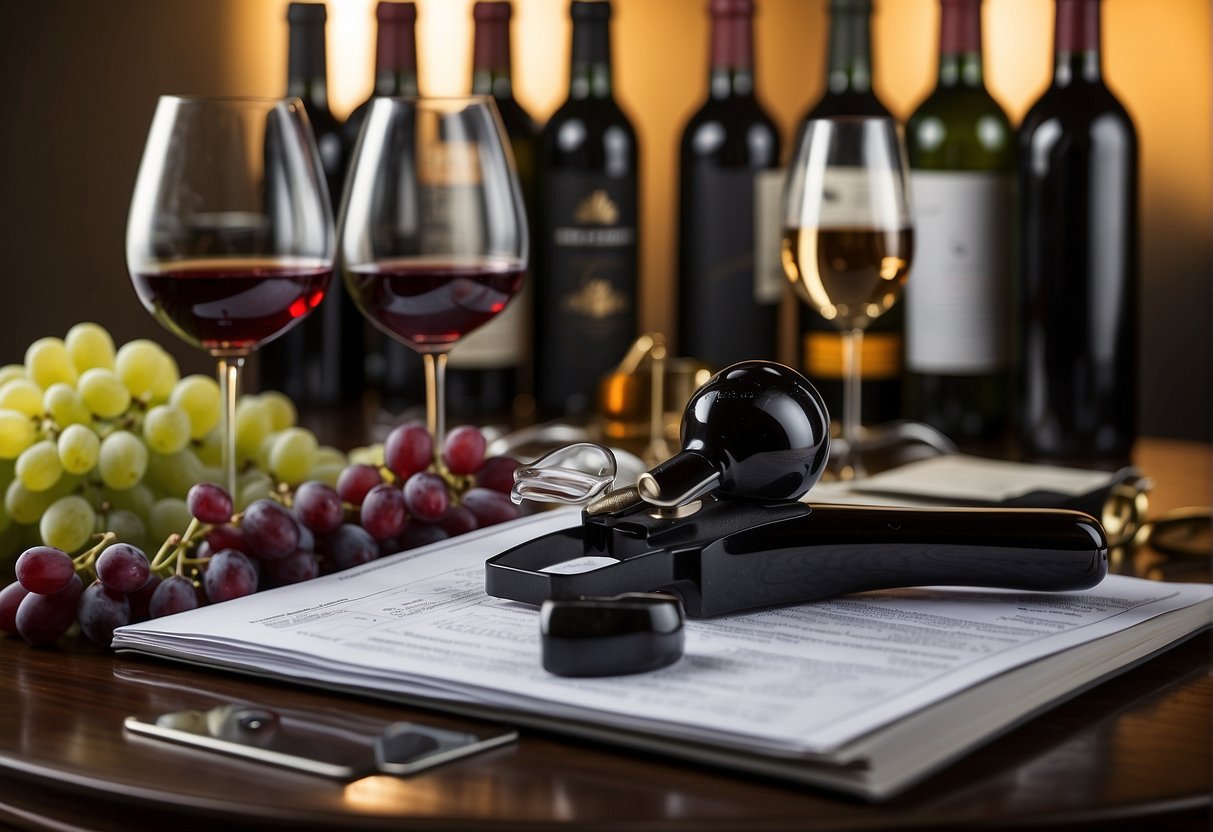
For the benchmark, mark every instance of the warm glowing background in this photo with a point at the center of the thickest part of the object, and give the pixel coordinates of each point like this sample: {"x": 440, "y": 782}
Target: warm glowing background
{"x": 81, "y": 79}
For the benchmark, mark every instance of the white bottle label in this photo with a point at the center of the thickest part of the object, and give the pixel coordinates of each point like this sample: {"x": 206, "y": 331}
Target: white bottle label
{"x": 957, "y": 294}
{"x": 770, "y": 282}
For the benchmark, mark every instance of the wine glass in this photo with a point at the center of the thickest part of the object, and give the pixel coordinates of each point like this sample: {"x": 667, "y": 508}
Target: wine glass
{"x": 432, "y": 238}
{"x": 230, "y": 239}
{"x": 848, "y": 239}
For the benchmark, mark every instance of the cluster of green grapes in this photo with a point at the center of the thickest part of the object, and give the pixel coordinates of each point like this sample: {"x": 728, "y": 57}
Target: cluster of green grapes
{"x": 98, "y": 439}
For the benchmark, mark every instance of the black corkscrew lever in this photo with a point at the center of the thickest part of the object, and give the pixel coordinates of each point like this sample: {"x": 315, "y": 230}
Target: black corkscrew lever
{"x": 721, "y": 526}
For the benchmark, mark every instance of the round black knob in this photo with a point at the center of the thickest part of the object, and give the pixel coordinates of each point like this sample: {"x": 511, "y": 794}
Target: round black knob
{"x": 755, "y": 429}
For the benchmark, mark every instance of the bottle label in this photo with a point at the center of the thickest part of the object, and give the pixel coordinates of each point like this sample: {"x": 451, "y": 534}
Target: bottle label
{"x": 770, "y": 281}
{"x": 879, "y": 357}
{"x": 850, "y": 197}
{"x": 587, "y": 306}
{"x": 957, "y": 295}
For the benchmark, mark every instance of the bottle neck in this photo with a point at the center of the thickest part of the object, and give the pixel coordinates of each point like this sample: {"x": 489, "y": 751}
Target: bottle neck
{"x": 850, "y": 57}
{"x": 491, "y": 59}
{"x": 396, "y": 58}
{"x": 960, "y": 44}
{"x": 732, "y": 69}
{"x": 307, "y": 77}
{"x": 590, "y": 76}
{"x": 1077, "y": 43}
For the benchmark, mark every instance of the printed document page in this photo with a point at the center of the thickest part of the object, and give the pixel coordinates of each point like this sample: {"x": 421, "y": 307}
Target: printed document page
{"x": 800, "y": 680}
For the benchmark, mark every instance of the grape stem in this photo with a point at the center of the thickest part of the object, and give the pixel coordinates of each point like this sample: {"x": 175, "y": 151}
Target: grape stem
{"x": 85, "y": 560}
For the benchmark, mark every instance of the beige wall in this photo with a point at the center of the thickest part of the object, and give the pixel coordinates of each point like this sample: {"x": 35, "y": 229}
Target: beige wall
{"x": 80, "y": 80}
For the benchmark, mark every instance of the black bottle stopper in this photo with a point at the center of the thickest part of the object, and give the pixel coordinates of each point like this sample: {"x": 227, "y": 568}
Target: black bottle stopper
{"x": 755, "y": 429}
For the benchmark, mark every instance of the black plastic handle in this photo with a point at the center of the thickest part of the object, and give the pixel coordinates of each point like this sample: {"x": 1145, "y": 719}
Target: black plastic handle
{"x": 836, "y": 550}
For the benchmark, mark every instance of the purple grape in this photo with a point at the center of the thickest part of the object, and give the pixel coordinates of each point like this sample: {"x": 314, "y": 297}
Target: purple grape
{"x": 421, "y": 534}
{"x": 347, "y": 546}
{"x": 41, "y": 619}
{"x": 300, "y": 565}
{"x": 490, "y": 507}
{"x": 229, "y": 574}
{"x": 409, "y": 448}
{"x": 463, "y": 451}
{"x": 383, "y": 513}
{"x": 270, "y": 530}
{"x": 458, "y": 520}
{"x": 220, "y": 538}
{"x": 123, "y": 568}
{"x": 141, "y": 598}
{"x": 210, "y": 503}
{"x": 10, "y": 598}
{"x": 318, "y": 506}
{"x": 355, "y": 481}
{"x": 45, "y": 570}
{"x": 497, "y": 473}
{"x": 175, "y": 594}
{"x": 101, "y": 611}
{"x": 426, "y": 497}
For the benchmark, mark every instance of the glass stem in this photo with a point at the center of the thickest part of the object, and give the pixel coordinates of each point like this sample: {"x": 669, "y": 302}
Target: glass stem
{"x": 229, "y": 390}
{"x": 435, "y": 396}
{"x": 852, "y": 404}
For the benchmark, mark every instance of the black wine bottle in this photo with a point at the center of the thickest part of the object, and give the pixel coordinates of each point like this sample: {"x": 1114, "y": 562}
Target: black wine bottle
{"x": 586, "y": 253}
{"x": 1078, "y": 185}
{"x": 320, "y": 361}
{"x": 962, "y": 151}
{"x": 485, "y": 373}
{"x": 849, "y": 93}
{"x": 394, "y": 369}
{"x": 726, "y": 311}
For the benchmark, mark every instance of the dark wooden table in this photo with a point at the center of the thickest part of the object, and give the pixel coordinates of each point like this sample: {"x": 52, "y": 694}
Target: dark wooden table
{"x": 1133, "y": 753}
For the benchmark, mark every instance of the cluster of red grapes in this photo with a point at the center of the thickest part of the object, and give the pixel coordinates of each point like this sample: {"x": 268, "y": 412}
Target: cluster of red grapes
{"x": 411, "y": 500}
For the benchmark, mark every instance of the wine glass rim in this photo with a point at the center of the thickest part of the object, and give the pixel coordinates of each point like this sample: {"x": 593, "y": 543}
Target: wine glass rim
{"x": 258, "y": 100}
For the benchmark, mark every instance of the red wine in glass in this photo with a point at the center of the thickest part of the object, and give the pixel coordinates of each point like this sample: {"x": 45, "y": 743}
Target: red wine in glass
{"x": 233, "y": 303}
{"x": 432, "y": 302}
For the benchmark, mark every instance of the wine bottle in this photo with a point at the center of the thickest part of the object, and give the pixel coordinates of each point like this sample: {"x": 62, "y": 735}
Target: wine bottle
{"x": 484, "y": 372}
{"x": 849, "y": 93}
{"x": 726, "y": 313}
{"x": 962, "y": 153}
{"x": 586, "y": 257}
{"x": 392, "y": 368}
{"x": 320, "y": 361}
{"x": 1078, "y": 186}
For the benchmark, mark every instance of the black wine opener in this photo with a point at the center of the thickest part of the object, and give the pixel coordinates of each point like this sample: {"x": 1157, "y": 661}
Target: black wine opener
{"x": 720, "y": 524}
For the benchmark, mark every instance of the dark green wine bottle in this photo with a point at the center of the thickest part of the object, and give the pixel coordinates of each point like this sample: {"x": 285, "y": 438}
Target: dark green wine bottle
{"x": 962, "y": 154}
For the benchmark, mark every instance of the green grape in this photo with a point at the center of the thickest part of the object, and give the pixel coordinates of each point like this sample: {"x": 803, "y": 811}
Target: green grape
{"x": 65, "y": 405}
{"x": 166, "y": 429}
{"x": 174, "y": 474}
{"x": 210, "y": 473}
{"x": 126, "y": 525}
{"x": 253, "y": 485}
{"x": 67, "y": 523}
{"x": 281, "y": 409}
{"x": 138, "y": 500}
{"x": 104, "y": 393}
{"x": 327, "y": 454}
{"x": 17, "y": 432}
{"x": 262, "y": 458}
{"x": 26, "y": 506}
{"x": 199, "y": 397}
{"x": 138, "y": 363}
{"x": 168, "y": 516}
{"x": 38, "y": 467}
{"x": 78, "y": 449}
{"x": 253, "y": 425}
{"x": 326, "y": 472}
{"x": 293, "y": 454}
{"x": 47, "y": 361}
{"x": 22, "y": 395}
{"x": 210, "y": 448}
{"x": 11, "y": 371}
{"x": 122, "y": 461}
{"x": 165, "y": 380}
{"x": 89, "y": 346}
{"x": 370, "y": 455}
